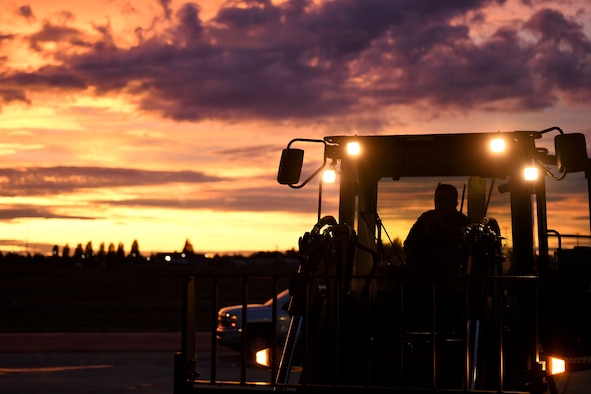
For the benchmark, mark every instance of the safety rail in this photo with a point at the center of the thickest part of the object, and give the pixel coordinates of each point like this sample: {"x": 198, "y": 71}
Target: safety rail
{"x": 560, "y": 237}
{"x": 416, "y": 359}
{"x": 199, "y": 323}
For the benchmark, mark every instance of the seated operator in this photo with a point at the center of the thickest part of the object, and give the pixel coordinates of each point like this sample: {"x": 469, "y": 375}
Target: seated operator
{"x": 432, "y": 246}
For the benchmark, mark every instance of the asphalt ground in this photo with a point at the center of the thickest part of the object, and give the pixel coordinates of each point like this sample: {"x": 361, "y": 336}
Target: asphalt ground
{"x": 96, "y": 342}
{"x": 101, "y": 363}
{"x": 88, "y": 363}
{"x": 123, "y": 363}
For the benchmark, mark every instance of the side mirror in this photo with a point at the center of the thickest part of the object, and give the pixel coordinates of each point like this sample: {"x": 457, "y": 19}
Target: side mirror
{"x": 290, "y": 166}
{"x": 571, "y": 152}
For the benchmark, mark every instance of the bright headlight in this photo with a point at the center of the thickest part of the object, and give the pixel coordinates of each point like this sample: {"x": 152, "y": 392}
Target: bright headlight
{"x": 530, "y": 173}
{"x": 263, "y": 357}
{"x": 353, "y": 148}
{"x": 555, "y": 366}
{"x": 497, "y": 145}
{"x": 329, "y": 176}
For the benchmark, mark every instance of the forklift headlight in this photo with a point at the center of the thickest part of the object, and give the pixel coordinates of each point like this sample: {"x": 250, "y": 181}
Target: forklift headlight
{"x": 329, "y": 176}
{"x": 353, "y": 148}
{"x": 530, "y": 173}
{"x": 497, "y": 145}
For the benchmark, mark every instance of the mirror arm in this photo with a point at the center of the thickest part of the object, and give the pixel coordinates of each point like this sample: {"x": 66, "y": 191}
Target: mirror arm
{"x": 305, "y": 182}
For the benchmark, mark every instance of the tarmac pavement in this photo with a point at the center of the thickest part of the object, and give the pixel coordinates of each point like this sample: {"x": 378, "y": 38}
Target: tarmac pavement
{"x": 96, "y": 342}
{"x": 90, "y": 363}
{"x": 123, "y": 363}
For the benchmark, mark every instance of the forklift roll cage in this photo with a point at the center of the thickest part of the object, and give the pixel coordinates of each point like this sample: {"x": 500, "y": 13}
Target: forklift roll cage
{"x": 467, "y": 154}
{"x": 339, "y": 254}
{"x": 505, "y": 156}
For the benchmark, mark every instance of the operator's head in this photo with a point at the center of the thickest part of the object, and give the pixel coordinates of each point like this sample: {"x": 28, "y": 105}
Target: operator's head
{"x": 446, "y": 197}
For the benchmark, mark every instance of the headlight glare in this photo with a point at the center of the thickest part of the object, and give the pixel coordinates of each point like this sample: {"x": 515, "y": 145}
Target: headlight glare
{"x": 530, "y": 173}
{"x": 329, "y": 175}
{"x": 353, "y": 148}
{"x": 555, "y": 366}
{"x": 497, "y": 145}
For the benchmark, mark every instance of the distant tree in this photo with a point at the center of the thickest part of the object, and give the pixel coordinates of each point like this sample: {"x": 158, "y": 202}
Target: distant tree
{"x": 188, "y": 248}
{"x": 135, "y": 249}
{"x": 134, "y": 255}
{"x": 55, "y": 254}
{"x": 38, "y": 258}
{"x": 102, "y": 253}
{"x": 88, "y": 250}
{"x": 111, "y": 253}
{"x": 78, "y": 253}
{"x": 120, "y": 252}
{"x": 394, "y": 251}
{"x": 66, "y": 252}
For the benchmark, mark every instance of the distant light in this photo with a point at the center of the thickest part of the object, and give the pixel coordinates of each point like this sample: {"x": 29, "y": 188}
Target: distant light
{"x": 167, "y": 258}
{"x": 329, "y": 176}
{"x": 530, "y": 173}
{"x": 353, "y": 148}
{"x": 497, "y": 145}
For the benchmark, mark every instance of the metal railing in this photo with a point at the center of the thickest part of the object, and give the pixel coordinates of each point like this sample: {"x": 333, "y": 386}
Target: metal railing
{"x": 560, "y": 237}
{"x": 492, "y": 335}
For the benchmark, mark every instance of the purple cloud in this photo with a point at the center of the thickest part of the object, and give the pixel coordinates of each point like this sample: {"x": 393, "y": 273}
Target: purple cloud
{"x": 55, "y": 180}
{"x": 26, "y": 12}
{"x": 302, "y": 61}
{"x": 18, "y": 211}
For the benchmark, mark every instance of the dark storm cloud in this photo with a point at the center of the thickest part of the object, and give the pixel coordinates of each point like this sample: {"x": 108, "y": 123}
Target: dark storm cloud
{"x": 241, "y": 200}
{"x": 56, "y": 34}
{"x": 18, "y": 211}
{"x": 250, "y": 152}
{"x": 56, "y": 180}
{"x": 48, "y": 77}
{"x": 297, "y": 60}
{"x": 26, "y": 12}
{"x": 564, "y": 64}
{"x": 10, "y": 95}
{"x": 166, "y": 7}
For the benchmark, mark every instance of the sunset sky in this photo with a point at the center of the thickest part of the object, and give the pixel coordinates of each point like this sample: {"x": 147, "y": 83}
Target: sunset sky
{"x": 163, "y": 121}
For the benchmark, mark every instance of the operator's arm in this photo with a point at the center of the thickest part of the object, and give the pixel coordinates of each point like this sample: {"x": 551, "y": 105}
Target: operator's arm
{"x": 417, "y": 236}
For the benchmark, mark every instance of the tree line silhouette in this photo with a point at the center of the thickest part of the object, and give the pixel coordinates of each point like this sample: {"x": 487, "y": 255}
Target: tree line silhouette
{"x": 117, "y": 255}
{"x": 104, "y": 255}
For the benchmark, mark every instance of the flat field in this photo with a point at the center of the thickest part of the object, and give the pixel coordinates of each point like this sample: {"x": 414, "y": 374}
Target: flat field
{"x": 54, "y": 297}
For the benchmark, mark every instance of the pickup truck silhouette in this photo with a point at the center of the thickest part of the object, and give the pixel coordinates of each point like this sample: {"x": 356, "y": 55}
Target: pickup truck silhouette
{"x": 259, "y": 330}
